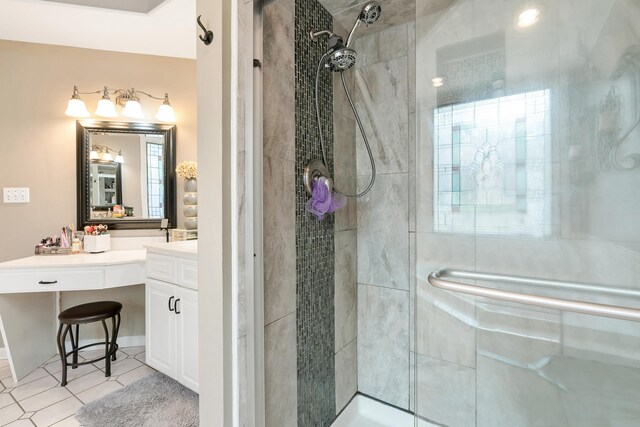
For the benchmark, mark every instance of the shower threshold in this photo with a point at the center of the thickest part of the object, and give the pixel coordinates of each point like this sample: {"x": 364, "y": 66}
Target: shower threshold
{"x": 365, "y": 412}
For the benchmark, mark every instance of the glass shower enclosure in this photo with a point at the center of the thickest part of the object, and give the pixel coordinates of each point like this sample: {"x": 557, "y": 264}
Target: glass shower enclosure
{"x": 527, "y": 203}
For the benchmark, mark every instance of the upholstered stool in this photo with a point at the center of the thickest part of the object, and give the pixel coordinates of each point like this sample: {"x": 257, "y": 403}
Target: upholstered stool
{"x": 99, "y": 311}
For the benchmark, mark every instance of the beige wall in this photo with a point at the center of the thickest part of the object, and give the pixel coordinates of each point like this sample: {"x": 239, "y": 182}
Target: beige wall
{"x": 38, "y": 141}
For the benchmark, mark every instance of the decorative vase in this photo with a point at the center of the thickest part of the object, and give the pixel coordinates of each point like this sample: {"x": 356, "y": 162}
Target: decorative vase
{"x": 97, "y": 244}
{"x": 190, "y": 201}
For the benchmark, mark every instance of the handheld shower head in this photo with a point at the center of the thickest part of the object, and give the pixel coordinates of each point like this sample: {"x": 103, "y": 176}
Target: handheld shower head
{"x": 369, "y": 14}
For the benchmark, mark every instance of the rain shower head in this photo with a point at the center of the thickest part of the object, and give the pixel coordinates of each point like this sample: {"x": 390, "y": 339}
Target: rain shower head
{"x": 341, "y": 58}
{"x": 369, "y": 14}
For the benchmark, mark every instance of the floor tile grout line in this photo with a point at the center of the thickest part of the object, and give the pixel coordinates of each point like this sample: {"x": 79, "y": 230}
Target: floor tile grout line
{"x": 51, "y": 388}
{"x": 17, "y": 386}
{"x": 72, "y": 394}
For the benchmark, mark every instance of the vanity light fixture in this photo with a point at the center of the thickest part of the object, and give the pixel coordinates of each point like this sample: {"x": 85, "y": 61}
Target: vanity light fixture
{"x": 75, "y": 106}
{"x": 125, "y": 98}
{"x": 102, "y": 154}
{"x": 119, "y": 158}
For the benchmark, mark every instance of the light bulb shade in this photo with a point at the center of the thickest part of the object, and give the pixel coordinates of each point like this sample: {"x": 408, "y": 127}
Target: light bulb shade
{"x": 119, "y": 158}
{"x": 106, "y": 156}
{"x": 166, "y": 114}
{"x": 76, "y": 108}
{"x": 106, "y": 108}
{"x": 94, "y": 155}
{"x": 133, "y": 109}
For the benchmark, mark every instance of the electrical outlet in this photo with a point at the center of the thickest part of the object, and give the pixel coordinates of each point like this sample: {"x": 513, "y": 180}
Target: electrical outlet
{"x": 15, "y": 195}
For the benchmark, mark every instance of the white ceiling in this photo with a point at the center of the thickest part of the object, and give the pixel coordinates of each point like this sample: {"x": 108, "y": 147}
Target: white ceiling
{"x": 168, "y": 30}
{"x": 142, "y": 6}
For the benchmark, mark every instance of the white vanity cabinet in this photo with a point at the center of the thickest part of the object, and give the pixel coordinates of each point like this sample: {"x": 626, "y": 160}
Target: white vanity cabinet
{"x": 172, "y": 315}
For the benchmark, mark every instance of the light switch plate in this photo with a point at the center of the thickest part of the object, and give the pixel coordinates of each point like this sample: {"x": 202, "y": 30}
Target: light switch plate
{"x": 15, "y": 195}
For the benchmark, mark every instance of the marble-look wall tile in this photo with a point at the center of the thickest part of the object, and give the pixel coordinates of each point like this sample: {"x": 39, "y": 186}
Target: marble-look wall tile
{"x": 344, "y": 174}
{"x": 438, "y": 250}
{"x": 509, "y": 395}
{"x": 279, "y": 81}
{"x": 522, "y": 334}
{"x": 383, "y": 344}
{"x": 446, "y": 325}
{"x": 412, "y": 172}
{"x": 279, "y": 239}
{"x": 413, "y": 317}
{"x": 381, "y": 100}
{"x": 579, "y": 260}
{"x": 242, "y": 267}
{"x": 423, "y": 150}
{"x": 601, "y": 339}
{"x": 382, "y": 46}
{"x": 242, "y": 380}
{"x": 411, "y": 69}
{"x": 341, "y": 106}
{"x": 446, "y": 392}
{"x": 346, "y": 375}
{"x": 383, "y": 238}
{"x": 345, "y": 288}
{"x": 281, "y": 374}
{"x": 394, "y": 13}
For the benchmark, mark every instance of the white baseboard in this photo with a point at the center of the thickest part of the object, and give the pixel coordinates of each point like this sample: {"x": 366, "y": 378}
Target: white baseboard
{"x": 3, "y": 353}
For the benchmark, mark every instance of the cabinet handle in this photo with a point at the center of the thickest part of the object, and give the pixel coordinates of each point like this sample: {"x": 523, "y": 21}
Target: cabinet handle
{"x": 174, "y": 306}
{"x": 48, "y": 282}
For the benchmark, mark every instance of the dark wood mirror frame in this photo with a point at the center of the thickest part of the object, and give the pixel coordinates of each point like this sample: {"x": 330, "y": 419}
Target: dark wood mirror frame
{"x": 84, "y": 129}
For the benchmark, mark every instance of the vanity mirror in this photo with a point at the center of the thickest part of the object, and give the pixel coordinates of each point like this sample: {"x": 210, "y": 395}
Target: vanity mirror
{"x": 126, "y": 174}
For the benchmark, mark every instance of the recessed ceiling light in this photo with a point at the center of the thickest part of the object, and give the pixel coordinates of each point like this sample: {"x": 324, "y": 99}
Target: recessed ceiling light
{"x": 528, "y": 17}
{"x": 438, "y": 81}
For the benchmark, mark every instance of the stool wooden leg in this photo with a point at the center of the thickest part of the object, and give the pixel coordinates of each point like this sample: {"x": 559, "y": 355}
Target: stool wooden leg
{"x": 107, "y": 355}
{"x": 62, "y": 350}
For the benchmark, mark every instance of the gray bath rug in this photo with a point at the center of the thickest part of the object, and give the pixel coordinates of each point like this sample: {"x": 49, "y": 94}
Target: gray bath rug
{"x": 154, "y": 401}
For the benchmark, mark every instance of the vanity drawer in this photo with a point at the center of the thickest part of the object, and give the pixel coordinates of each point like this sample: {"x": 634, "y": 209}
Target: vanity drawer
{"x": 47, "y": 280}
{"x": 188, "y": 274}
{"x": 162, "y": 267}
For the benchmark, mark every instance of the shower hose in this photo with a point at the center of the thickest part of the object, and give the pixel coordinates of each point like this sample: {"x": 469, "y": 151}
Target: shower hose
{"x": 355, "y": 113}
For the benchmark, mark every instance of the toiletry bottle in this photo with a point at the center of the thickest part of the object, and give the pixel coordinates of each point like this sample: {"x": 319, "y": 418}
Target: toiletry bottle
{"x": 75, "y": 246}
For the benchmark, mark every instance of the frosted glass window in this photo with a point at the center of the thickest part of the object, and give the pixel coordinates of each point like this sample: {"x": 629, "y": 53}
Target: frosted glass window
{"x": 492, "y": 166}
{"x": 155, "y": 186}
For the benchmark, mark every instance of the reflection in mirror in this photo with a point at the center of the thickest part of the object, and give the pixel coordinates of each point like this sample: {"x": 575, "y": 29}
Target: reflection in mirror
{"x": 129, "y": 174}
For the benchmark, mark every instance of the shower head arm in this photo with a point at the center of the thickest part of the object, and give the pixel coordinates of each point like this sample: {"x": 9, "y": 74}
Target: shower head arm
{"x": 315, "y": 34}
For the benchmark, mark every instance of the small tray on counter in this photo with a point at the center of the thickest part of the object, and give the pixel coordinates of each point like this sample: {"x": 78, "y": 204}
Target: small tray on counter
{"x": 52, "y": 250}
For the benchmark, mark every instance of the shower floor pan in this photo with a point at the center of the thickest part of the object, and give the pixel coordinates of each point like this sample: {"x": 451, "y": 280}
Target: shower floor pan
{"x": 366, "y": 412}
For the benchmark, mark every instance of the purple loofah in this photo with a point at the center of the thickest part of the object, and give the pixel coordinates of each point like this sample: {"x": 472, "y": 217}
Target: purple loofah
{"x": 322, "y": 200}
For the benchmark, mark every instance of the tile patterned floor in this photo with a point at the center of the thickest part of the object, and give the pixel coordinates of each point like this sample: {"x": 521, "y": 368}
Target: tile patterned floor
{"x": 38, "y": 400}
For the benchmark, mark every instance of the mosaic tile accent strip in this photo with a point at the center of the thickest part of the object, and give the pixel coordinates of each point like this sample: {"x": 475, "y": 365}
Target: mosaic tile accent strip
{"x": 314, "y": 239}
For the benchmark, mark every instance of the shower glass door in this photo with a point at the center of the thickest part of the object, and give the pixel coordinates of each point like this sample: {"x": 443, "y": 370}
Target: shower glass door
{"x": 528, "y": 165}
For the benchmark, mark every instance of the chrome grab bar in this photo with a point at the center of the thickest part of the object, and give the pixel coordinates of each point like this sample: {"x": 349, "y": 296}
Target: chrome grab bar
{"x": 437, "y": 279}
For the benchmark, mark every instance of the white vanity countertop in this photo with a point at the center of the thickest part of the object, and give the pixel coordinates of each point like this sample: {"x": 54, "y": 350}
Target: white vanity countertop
{"x": 78, "y": 260}
{"x": 186, "y": 248}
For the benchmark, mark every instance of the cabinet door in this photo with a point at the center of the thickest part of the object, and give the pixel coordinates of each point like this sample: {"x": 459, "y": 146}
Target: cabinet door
{"x": 188, "y": 338}
{"x": 161, "y": 326}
